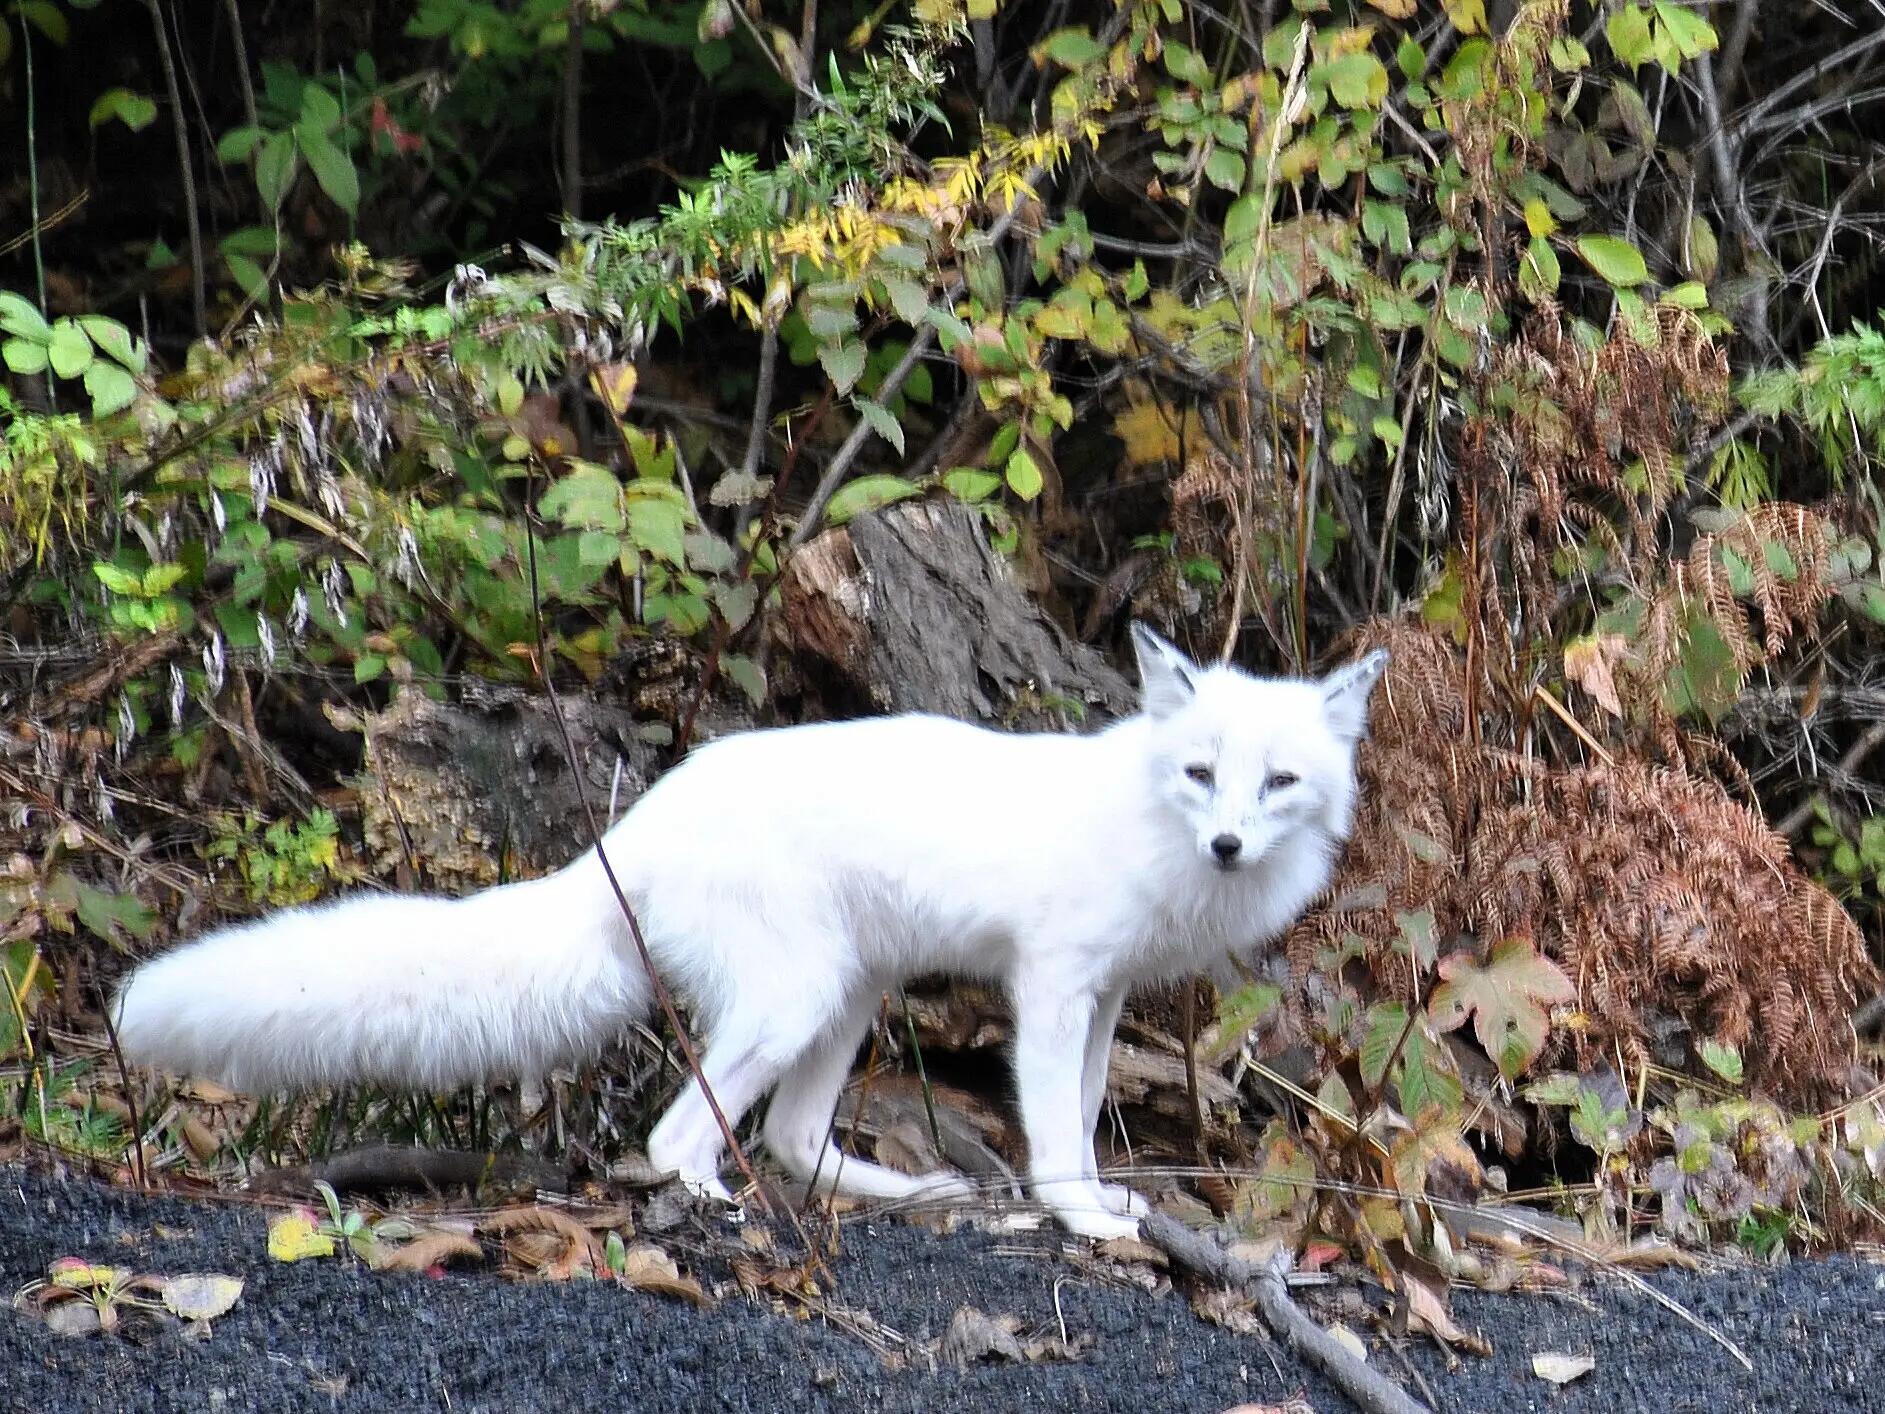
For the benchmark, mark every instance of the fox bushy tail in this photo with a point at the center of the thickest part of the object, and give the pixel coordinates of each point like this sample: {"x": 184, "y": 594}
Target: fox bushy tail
{"x": 410, "y": 992}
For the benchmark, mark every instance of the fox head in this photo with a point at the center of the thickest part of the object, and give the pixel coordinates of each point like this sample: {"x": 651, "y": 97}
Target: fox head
{"x": 1247, "y": 762}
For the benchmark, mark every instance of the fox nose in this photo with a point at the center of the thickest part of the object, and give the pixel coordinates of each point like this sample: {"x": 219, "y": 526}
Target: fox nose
{"x": 1227, "y": 848}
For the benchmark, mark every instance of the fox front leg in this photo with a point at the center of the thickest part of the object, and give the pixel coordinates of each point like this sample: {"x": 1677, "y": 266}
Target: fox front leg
{"x": 1099, "y": 1050}
{"x": 1053, "y": 1027}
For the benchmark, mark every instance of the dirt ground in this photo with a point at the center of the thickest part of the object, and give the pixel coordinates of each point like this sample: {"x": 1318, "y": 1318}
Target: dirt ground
{"x": 330, "y": 1335}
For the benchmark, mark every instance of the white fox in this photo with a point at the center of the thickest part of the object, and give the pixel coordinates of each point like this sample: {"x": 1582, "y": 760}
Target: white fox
{"x": 784, "y": 879}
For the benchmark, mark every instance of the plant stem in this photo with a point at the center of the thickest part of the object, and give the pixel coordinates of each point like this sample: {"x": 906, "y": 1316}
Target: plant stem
{"x": 572, "y": 113}
{"x": 32, "y": 166}
{"x": 199, "y": 303}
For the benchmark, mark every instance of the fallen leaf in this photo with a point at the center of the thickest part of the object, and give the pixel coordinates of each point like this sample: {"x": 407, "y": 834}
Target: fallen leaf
{"x": 1561, "y": 1369}
{"x": 973, "y": 1335}
{"x": 199, "y": 1296}
{"x": 429, "y": 1250}
{"x": 647, "y": 1268}
{"x": 551, "y": 1244}
{"x": 1426, "y": 1309}
{"x": 295, "y": 1236}
{"x": 1349, "y": 1341}
{"x": 73, "y": 1318}
{"x": 1131, "y": 1249}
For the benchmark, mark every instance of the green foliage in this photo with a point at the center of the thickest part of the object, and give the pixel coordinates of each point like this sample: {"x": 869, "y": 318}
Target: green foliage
{"x": 285, "y": 863}
{"x": 98, "y": 351}
{"x": 1837, "y": 393}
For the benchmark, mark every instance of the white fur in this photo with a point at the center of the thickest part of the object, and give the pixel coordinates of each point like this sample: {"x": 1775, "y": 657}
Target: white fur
{"x": 784, "y": 879}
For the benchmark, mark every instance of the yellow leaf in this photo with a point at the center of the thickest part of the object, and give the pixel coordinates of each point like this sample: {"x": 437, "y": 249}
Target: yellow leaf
{"x": 293, "y": 1237}
{"x": 1468, "y": 16}
{"x": 1395, "y": 9}
{"x": 1538, "y": 218}
{"x": 615, "y": 385}
{"x": 1155, "y": 434}
{"x": 1588, "y": 661}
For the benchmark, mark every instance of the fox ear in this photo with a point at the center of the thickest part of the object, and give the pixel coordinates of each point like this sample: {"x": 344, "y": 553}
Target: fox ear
{"x": 1165, "y": 674}
{"x": 1345, "y": 695}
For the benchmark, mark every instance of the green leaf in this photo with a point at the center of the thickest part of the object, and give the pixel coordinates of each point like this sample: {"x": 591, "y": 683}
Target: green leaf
{"x": 69, "y": 349}
{"x": 843, "y": 364}
{"x": 597, "y": 547}
{"x": 1780, "y": 560}
{"x": 1690, "y": 294}
{"x": 1539, "y": 272}
{"x": 111, "y": 388}
{"x": 588, "y": 497}
{"x": 1386, "y": 225}
{"x": 1072, "y": 48}
{"x": 160, "y": 579}
{"x": 908, "y": 297}
{"x": 867, "y": 493}
{"x": 1243, "y": 218}
{"x": 1725, "y": 1061}
{"x": 320, "y": 110}
{"x": 119, "y": 581}
{"x": 114, "y": 339}
{"x": 1225, "y": 169}
{"x": 746, "y": 675}
{"x": 966, "y": 483}
{"x": 1238, "y": 1013}
{"x": 19, "y": 316}
{"x": 45, "y": 17}
{"x": 1023, "y": 474}
{"x": 1386, "y": 1022}
{"x": 368, "y": 666}
{"x": 882, "y": 422}
{"x": 250, "y": 276}
{"x": 134, "y": 110}
{"x": 332, "y": 168}
{"x": 238, "y": 143}
{"x": 659, "y": 526}
{"x": 24, "y": 356}
{"x": 1615, "y": 259}
{"x": 111, "y": 915}
{"x": 1628, "y": 33}
{"x": 275, "y": 168}
{"x": 1358, "y": 80}
{"x": 1423, "y": 1082}
{"x": 1687, "y": 30}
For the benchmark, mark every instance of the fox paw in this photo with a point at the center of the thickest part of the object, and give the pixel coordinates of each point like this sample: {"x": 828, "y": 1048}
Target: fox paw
{"x": 1098, "y": 1225}
{"x": 707, "y": 1186}
{"x": 945, "y": 1188}
{"x": 1122, "y": 1201}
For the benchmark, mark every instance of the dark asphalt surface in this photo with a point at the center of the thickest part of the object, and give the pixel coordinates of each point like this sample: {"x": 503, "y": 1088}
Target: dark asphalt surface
{"x": 329, "y": 1335}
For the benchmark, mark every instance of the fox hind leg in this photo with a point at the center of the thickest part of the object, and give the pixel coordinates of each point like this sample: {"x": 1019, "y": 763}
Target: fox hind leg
{"x": 740, "y": 1066}
{"x": 799, "y": 1120}
{"x": 1099, "y": 1050}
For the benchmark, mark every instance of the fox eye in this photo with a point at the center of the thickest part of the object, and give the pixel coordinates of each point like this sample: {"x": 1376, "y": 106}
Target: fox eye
{"x": 1281, "y": 780}
{"x": 1200, "y": 773}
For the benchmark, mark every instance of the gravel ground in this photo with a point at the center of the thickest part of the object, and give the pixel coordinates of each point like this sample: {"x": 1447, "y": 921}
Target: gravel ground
{"x": 331, "y": 1336}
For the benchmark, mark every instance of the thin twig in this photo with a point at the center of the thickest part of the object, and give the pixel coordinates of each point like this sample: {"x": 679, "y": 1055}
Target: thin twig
{"x": 1796, "y": 819}
{"x": 572, "y": 164}
{"x": 199, "y": 301}
{"x": 662, "y": 995}
{"x": 242, "y": 63}
{"x": 1371, "y": 1391}
{"x": 130, "y": 1102}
